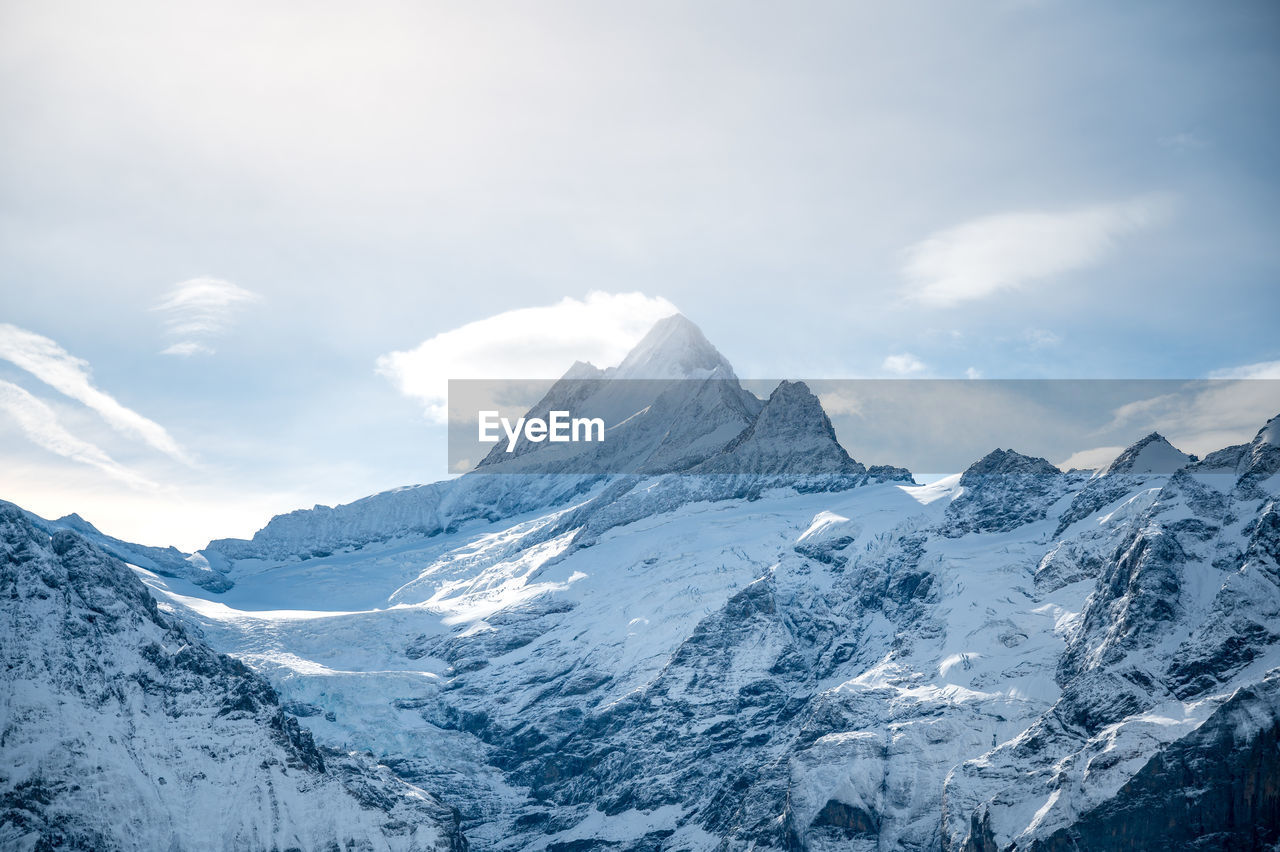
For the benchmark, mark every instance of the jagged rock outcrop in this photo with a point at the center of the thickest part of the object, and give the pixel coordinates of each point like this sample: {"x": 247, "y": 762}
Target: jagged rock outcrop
{"x": 791, "y": 435}
{"x": 1005, "y": 490}
{"x": 1185, "y": 614}
{"x": 167, "y": 561}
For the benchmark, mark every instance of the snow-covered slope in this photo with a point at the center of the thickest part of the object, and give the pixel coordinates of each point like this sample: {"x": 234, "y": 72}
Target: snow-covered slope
{"x": 663, "y": 665}
{"x": 120, "y": 729}
{"x": 1152, "y": 454}
{"x": 778, "y": 648}
{"x": 1183, "y": 615}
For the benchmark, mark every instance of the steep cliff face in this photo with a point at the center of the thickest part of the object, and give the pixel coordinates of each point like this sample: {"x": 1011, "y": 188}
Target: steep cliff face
{"x": 791, "y": 435}
{"x": 122, "y": 730}
{"x": 1226, "y": 775}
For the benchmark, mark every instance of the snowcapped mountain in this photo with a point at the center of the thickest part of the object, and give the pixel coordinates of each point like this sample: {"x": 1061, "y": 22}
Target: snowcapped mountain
{"x": 1152, "y": 454}
{"x": 675, "y": 407}
{"x": 672, "y": 403}
{"x": 123, "y": 730}
{"x": 760, "y": 644}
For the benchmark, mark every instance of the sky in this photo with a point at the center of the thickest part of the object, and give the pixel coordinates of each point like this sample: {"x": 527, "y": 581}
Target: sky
{"x": 227, "y": 228}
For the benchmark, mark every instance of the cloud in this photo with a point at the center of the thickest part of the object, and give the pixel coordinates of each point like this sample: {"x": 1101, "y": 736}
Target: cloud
{"x": 53, "y": 365}
{"x": 1204, "y": 416}
{"x": 1040, "y": 338}
{"x": 972, "y": 373}
{"x": 1261, "y": 370}
{"x": 841, "y": 403}
{"x": 200, "y": 309}
{"x": 1008, "y": 251}
{"x": 1143, "y": 410}
{"x": 187, "y": 348}
{"x": 1092, "y": 459}
{"x": 904, "y": 364}
{"x": 526, "y": 343}
{"x": 40, "y": 424}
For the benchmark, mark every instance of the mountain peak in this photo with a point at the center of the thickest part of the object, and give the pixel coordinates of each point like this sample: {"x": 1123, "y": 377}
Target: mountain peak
{"x": 582, "y": 370}
{"x": 673, "y": 402}
{"x": 792, "y": 434}
{"x": 1264, "y": 449}
{"x": 675, "y": 348}
{"x": 1151, "y": 454}
{"x": 999, "y": 462}
{"x": 1270, "y": 433}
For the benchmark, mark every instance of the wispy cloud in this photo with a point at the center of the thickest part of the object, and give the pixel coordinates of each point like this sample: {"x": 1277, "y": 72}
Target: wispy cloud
{"x": 903, "y": 365}
{"x": 198, "y": 310}
{"x": 40, "y": 424}
{"x": 526, "y": 343}
{"x": 1260, "y": 370}
{"x": 1040, "y": 338}
{"x": 187, "y": 348}
{"x": 841, "y": 402}
{"x": 1008, "y": 251}
{"x": 62, "y": 371}
{"x": 1209, "y": 415}
{"x": 1091, "y": 459}
{"x": 1185, "y": 141}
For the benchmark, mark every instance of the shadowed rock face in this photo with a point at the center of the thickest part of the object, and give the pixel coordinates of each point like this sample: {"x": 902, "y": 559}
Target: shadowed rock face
{"x": 1216, "y": 789}
{"x": 791, "y": 435}
{"x": 845, "y": 820}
